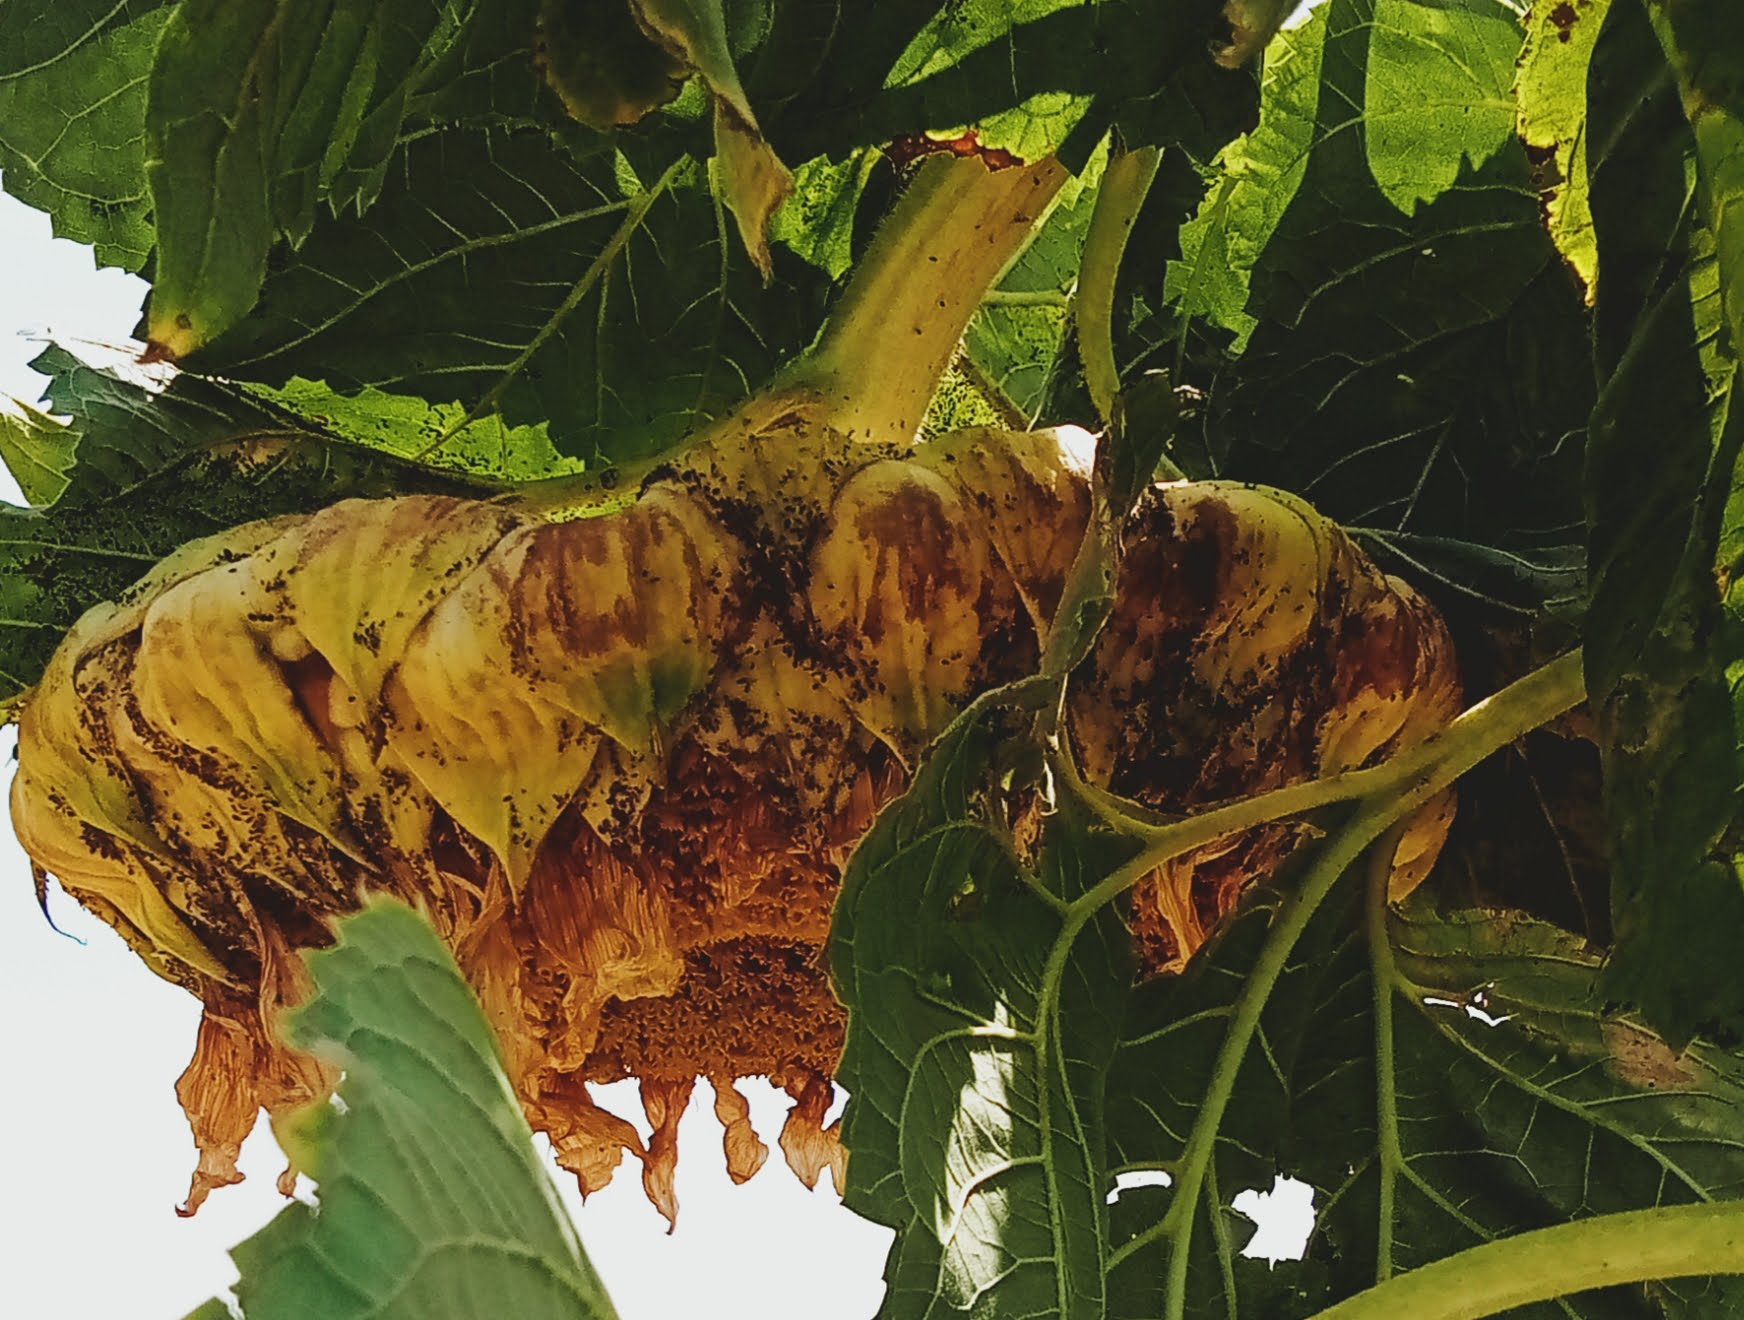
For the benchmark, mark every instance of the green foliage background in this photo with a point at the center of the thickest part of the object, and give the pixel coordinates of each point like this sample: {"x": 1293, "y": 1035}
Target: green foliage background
{"x": 1469, "y": 279}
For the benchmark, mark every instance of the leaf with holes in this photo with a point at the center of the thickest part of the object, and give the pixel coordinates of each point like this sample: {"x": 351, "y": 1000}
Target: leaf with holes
{"x": 1511, "y": 1099}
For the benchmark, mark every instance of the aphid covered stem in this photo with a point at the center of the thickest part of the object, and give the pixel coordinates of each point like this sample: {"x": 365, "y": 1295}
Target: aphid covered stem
{"x": 956, "y": 229}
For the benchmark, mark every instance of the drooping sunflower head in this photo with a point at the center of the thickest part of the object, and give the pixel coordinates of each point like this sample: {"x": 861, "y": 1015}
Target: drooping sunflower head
{"x": 621, "y": 757}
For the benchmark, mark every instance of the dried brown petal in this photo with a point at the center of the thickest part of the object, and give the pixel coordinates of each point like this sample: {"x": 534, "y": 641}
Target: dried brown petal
{"x": 745, "y": 1151}
{"x": 589, "y": 1141}
{"x": 664, "y": 1102}
{"x": 218, "y": 1095}
{"x": 809, "y": 1146}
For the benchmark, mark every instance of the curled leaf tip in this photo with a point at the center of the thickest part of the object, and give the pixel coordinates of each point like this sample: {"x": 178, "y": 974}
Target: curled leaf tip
{"x": 1252, "y": 25}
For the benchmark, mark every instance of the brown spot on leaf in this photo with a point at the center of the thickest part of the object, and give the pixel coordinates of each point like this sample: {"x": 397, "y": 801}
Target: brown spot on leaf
{"x": 1642, "y": 1059}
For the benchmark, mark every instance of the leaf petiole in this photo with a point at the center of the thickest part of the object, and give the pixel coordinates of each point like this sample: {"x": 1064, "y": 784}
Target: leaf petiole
{"x": 1385, "y": 979}
{"x": 1633, "y": 1246}
{"x": 1125, "y": 185}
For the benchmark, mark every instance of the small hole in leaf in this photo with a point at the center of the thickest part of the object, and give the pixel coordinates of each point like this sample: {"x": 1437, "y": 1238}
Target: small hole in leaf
{"x": 1283, "y": 1218}
{"x": 1125, "y": 1182}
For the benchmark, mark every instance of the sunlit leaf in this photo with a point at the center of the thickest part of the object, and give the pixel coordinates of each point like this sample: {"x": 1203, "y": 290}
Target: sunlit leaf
{"x": 37, "y": 452}
{"x": 1551, "y": 89}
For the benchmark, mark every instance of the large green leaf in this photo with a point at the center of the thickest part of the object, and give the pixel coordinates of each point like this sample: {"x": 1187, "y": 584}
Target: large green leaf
{"x": 1424, "y": 96}
{"x": 634, "y": 314}
{"x": 1418, "y": 370}
{"x": 433, "y": 1201}
{"x": 1545, "y": 1105}
{"x": 1513, "y": 1100}
{"x": 72, "y": 118}
{"x": 1035, "y": 78}
{"x": 1661, "y": 463}
{"x": 256, "y": 110}
{"x": 981, "y": 1025}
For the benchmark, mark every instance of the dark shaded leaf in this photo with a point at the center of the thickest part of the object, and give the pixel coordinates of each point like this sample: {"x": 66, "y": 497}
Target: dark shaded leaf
{"x": 36, "y": 33}
{"x": 1558, "y": 1111}
{"x": 634, "y": 317}
{"x": 1032, "y": 79}
{"x": 977, "y": 1050}
{"x": 601, "y": 63}
{"x": 257, "y": 109}
{"x": 1664, "y": 447}
{"x": 1415, "y": 352}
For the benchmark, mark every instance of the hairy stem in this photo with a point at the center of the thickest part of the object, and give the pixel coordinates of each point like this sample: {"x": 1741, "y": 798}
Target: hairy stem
{"x": 910, "y": 298}
{"x": 1664, "y": 1243}
{"x": 1385, "y": 978}
{"x": 1225, "y": 1248}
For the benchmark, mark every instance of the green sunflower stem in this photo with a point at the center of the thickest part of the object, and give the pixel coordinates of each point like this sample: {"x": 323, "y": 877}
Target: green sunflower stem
{"x": 1669, "y": 1242}
{"x": 897, "y": 327}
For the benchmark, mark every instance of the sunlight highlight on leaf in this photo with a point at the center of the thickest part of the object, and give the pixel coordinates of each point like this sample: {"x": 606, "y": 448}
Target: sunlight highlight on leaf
{"x": 1551, "y": 91}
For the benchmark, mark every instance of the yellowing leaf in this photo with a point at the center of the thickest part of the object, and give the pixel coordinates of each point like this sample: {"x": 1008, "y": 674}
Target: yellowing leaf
{"x": 1550, "y": 90}
{"x": 752, "y": 180}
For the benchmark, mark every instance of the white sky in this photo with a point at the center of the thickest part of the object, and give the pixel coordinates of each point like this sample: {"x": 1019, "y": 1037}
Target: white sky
{"x": 99, "y": 1152}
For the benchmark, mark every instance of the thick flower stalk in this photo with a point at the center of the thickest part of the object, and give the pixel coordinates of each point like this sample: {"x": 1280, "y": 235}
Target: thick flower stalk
{"x": 620, "y": 753}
